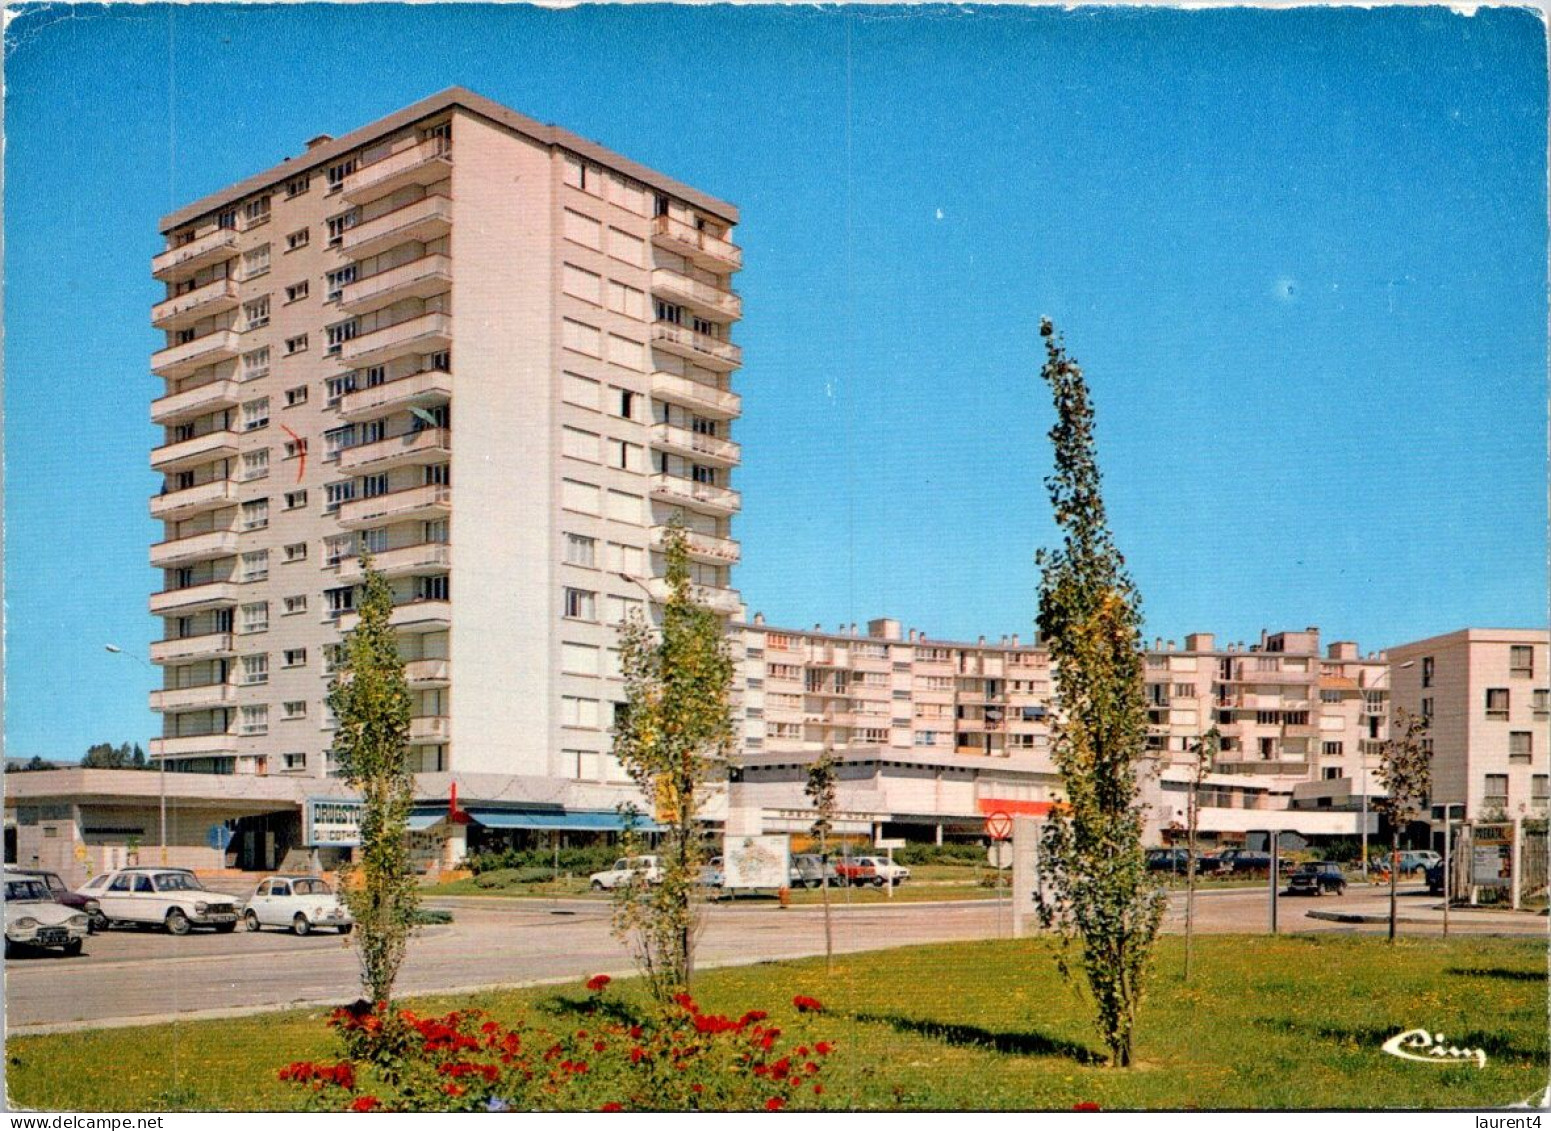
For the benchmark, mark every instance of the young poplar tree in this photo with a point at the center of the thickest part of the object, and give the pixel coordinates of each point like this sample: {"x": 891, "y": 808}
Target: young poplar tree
{"x": 672, "y": 737}
{"x": 820, "y": 789}
{"x": 1098, "y": 893}
{"x": 370, "y": 699}
{"x": 1406, "y": 773}
{"x": 1203, "y": 755}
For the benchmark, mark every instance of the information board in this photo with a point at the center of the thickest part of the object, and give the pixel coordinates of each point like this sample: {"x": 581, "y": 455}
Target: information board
{"x": 756, "y": 862}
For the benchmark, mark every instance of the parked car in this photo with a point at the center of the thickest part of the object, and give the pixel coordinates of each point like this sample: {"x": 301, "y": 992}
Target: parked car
{"x": 1417, "y": 860}
{"x": 300, "y": 903}
{"x": 1177, "y": 861}
{"x": 1242, "y": 861}
{"x": 875, "y": 870}
{"x": 1434, "y": 876}
{"x": 809, "y": 871}
{"x": 33, "y": 918}
{"x": 1316, "y": 878}
{"x": 86, "y": 905}
{"x": 711, "y": 874}
{"x": 169, "y": 897}
{"x": 623, "y": 870}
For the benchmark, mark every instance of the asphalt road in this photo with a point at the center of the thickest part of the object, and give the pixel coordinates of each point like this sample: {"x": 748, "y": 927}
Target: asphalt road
{"x": 127, "y": 976}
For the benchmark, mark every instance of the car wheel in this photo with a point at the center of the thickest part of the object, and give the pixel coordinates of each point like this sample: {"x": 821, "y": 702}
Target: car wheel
{"x": 300, "y": 924}
{"x": 597, "y": 885}
{"x": 347, "y": 928}
{"x": 251, "y": 920}
{"x": 1340, "y": 889}
{"x": 10, "y": 949}
{"x": 73, "y": 948}
{"x": 98, "y": 923}
{"x": 879, "y": 882}
{"x": 177, "y": 922}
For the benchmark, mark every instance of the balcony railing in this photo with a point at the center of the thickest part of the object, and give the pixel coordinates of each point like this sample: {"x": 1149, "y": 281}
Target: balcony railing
{"x": 418, "y": 390}
{"x": 723, "y": 601}
{"x": 419, "y": 278}
{"x": 429, "y": 445}
{"x": 193, "y": 598}
{"x": 192, "y": 698}
{"x": 414, "y": 502}
{"x": 426, "y": 334}
{"x": 190, "y": 745}
{"x": 411, "y": 616}
{"x": 429, "y": 728}
{"x": 190, "y": 501}
{"x": 220, "y": 444}
{"x": 424, "y": 557}
{"x": 672, "y": 489}
{"x": 428, "y": 673}
{"x": 177, "y": 408}
{"x": 703, "y": 349}
{"x": 704, "y": 297}
{"x": 427, "y": 219}
{"x": 187, "y": 259}
{"x": 194, "y": 548}
{"x": 702, "y": 547}
{"x": 696, "y": 243}
{"x": 424, "y": 163}
{"x": 189, "y": 307}
{"x": 212, "y": 644}
{"x": 686, "y": 441}
{"x": 697, "y": 395}
{"x": 181, "y": 360}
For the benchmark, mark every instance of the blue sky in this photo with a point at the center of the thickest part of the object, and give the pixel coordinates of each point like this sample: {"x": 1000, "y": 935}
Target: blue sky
{"x": 1301, "y": 256}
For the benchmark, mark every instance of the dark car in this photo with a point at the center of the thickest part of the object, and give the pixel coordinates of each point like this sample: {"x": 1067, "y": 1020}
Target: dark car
{"x": 1242, "y": 862}
{"x": 809, "y": 871}
{"x": 63, "y": 895}
{"x": 1435, "y": 879}
{"x": 1177, "y": 862}
{"x": 1316, "y": 878}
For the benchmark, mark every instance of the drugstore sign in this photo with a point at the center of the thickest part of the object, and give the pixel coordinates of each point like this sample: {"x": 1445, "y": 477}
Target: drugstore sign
{"x": 332, "y": 823}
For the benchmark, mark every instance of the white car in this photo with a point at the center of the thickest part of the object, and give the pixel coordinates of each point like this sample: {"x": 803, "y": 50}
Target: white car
{"x": 171, "y": 897}
{"x": 884, "y": 872}
{"x": 34, "y": 919}
{"x": 623, "y": 870}
{"x": 299, "y": 903}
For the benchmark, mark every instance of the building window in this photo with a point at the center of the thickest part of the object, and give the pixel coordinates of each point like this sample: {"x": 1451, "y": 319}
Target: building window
{"x": 337, "y": 281}
{"x": 1331, "y": 749}
{"x": 255, "y": 465}
{"x": 1495, "y": 795}
{"x": 1427, "y": 671}
{"x": 433, "y": 588}
{"x": 255, "y": 669}
{"x": 255, "y": 414}
{"x": 255, "y": 514}
{"x": 293, "y": 763}
{"x": 1521, "y": 745}
{"x": 340, "y": 333}
{"x": 296, "y": 396}
{"x": 581, "y": 550}
{"x": 255, "y": 314}
{"x": 337, "y": 173}
{"x": 293, "y": 448}
{"x": 226, "y": 221}
{"x": 333, "y": 658}
{"x": 1497, "y": 702}
{"x": 337, "y": 494}
{"x": 294, "y": 709}
{"x": 1427, "y": 707}
{"x": 297, "y": 185}
{"x": 297, "y": 291}
{"x": 1542, "y": 700}
{"x": 336, "y": 387}
{"x": 255, "y": 262}
{"x": 255, "y": 565}
{"x": 341, "y": 600}
{"x": 581, "y": 604}
{"x": 297, "y": 344}
{"x": 294, "y": 605}
{"x": 294, "y": 658}
{"x": 256, "y": 212}
{"x": 1538, "y": 792}
{"x": 255, "y": 617}
{"x": 298, "y": 239}
{"x": 339, "y": 225}
{"x": 253, "y": 720}
{"x": 1521, "y": 661}
{"x": 296, "y": 552}
{"x": 255, "y": 364}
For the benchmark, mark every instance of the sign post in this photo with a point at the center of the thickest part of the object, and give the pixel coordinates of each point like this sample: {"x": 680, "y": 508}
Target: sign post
{"x": 999, "y": 828}
{"x": 889, "y": 844}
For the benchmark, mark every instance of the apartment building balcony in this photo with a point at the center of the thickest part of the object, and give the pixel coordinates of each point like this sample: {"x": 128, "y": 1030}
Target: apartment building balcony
{"x": 195, "y": 598}
{"x": 686, "y": 492}
{"x": 702, "y": 349}
{"x": 418, "y": 390}
{"x": 429, "y": 728}
{"x": 426, "y": 334}
{"x": 406, "y": 561}
{"x": 427, "y": 219}
{"x": 181, "y": 360}
{"x": 426, "y": 674}
{"x": 189, "y": 259}
{"x": 695, "y": 445}
{"x": 697, "y": 396}
{"x": 429, "y": 445}
{"x": 214, "y": 694}
{"x": 191, "y": 501}
{"x": 702, "y": 547}
{"x": 212, "y": 645}
{"x": 724, "y": 602}
{"x": 703, "y": 297}
{"x": 423, "y": 163}
{"x": 411, "y": 616}
{"x": 178, "y": 408}
{"x": 194, "y": 548}
{"x": 182, "y": 311}
{"x": 434, "y": 500}
{"x": 183, "y": 454}
{"x": 419, "y": 278}
{"x": 194, "y": 745}
{"x": 696, "y": 244}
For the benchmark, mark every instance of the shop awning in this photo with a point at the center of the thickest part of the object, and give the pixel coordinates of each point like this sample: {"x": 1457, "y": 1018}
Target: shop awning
{"x": 587, "y": 821}
{"x": 418, "y": 822}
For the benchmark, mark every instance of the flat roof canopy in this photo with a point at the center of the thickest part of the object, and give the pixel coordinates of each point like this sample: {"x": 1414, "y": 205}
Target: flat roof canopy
{"x": 595, "y": 821}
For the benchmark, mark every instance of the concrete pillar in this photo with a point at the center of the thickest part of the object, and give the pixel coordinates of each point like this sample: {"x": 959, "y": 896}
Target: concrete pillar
{"x": 456, "y": 846}
{"x": 939, "y": 834}
{"x": 1515, "y": 884}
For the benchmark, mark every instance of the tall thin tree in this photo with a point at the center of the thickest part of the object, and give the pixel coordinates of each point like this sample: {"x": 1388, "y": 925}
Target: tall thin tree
{"x": 672, "y": 738}
{"x": 820, "y": 789}
{"x": 1203, "y": 755}
{"x": 1099, "y": 895}
{"x": 370, "y": 699}
{"x": 1405, "y": 772}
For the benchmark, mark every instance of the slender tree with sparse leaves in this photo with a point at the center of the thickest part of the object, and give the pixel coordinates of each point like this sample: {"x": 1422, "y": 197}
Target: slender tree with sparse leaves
{"x": 370, "y": 699}
{"x": 672, "y": 738}
{"x": 1406, "y": 773}
{"x": 1203, "y": 756}
{"x": 820, "y": 789}
{"x": 1098, "y": 894}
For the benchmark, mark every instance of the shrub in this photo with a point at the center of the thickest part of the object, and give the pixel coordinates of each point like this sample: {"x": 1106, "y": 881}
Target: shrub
{"x": 593, "y": 858}
{"x": 465, "y": 1061}
{"x": 512, "y": 877}
{"x": 916, "y": 855}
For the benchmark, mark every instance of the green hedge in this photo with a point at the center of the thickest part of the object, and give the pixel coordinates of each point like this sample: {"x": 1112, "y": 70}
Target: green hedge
{"x": 915, "y": 855}
{"x": 592, "y": 859}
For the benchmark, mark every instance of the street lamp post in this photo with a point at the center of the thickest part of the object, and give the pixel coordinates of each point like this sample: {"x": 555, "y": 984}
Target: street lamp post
{"x": 1448, "y": 826}
{"x": 161, "y": 762}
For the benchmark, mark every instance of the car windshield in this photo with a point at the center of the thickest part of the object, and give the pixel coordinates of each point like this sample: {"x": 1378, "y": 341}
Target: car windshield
{"x": 177, "y": 881}
{"x": 27, "y": 891}
{"x": 311, "y": 887}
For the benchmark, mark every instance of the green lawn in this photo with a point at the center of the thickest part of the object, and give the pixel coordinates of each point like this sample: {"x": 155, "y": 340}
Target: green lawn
{"x": 1266, "y": 1023}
